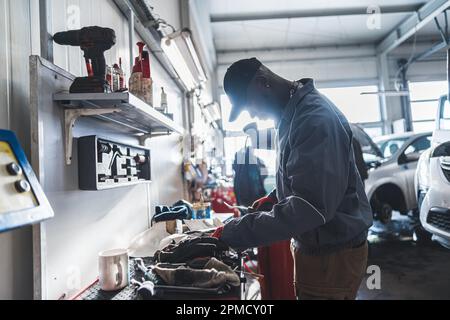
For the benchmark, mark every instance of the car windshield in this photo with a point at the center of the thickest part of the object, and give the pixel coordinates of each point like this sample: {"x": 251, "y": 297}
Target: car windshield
{"x": 390, "y": 147}
{"x": 369, "y": 148}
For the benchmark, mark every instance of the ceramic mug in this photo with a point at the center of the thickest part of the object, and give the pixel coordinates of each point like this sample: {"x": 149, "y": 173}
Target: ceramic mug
{"x": 113, "y": 269}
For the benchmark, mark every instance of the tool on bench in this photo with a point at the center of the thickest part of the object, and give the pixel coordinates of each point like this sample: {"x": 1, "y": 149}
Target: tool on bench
{"x": 94, "y": 41}
{"x": 147, "y": 290}
{"x": 140, "y": 266}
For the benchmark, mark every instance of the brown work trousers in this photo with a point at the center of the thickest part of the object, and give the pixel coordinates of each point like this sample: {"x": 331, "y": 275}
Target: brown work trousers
{"x": 336, "y": 276}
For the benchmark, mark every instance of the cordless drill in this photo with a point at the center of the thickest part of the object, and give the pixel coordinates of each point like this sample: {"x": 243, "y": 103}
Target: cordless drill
{"x": 94, "y": 41}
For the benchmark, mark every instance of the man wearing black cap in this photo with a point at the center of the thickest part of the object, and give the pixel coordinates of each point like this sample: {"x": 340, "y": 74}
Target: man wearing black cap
{"x": 321, "y": 203}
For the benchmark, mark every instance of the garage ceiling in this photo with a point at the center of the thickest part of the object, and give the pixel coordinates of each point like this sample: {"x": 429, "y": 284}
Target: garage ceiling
{"x": 264, "y": 24}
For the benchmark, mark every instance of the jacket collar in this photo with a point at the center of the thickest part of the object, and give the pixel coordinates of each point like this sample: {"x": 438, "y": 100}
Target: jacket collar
{"x": 288, "y": 112}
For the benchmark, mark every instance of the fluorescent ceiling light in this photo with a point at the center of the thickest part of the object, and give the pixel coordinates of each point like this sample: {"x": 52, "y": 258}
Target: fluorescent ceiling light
{"x": 392, "y": 93}
{"x": 181, "y": 52}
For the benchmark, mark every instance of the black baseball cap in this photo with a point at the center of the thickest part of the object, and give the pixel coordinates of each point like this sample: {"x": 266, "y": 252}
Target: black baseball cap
{"x": 236, "y": 82}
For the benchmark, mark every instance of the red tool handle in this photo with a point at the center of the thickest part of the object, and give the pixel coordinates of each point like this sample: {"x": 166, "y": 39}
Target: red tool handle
{"x": 90, "y": 71}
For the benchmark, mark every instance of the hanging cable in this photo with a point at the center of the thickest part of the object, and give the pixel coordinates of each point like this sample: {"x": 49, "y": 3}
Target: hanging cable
{"x": 154, "y": 19}
{"x": 405, "y": 65}
{"x": 446, "y": 25}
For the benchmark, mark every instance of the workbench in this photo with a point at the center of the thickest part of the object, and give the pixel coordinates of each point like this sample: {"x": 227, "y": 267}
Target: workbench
{"x": 94, "y": 292}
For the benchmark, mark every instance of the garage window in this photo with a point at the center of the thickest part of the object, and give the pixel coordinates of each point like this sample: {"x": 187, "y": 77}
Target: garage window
{"x": 356, "y": 107}
{"x": 424, "y": 103}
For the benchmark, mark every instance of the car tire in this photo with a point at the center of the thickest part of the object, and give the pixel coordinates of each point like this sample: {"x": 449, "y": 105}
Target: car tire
{"x": 422, "y": 236}
{"x": 385, "y": 213}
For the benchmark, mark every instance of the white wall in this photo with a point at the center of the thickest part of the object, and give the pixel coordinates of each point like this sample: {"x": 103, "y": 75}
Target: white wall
{"x": 80, "y": 224}
{"x": 76, "y": 234}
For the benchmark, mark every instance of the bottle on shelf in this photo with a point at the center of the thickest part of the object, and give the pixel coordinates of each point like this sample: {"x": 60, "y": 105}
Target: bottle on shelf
{"x": 135, "y": 82}
{"x": 163, "y": 105}
{"x": 120, "y": 76}
{"x": 140, "y": 83}
{"x": 109, "y": 77}
{"x": 147, "y": 83}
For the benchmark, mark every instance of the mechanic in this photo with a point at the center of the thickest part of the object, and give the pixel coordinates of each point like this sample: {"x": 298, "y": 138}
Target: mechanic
{"x": 319, "y": 201}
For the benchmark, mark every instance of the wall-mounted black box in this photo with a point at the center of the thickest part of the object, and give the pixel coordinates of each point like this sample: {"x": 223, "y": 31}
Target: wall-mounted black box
{"x": 105, "y": 164}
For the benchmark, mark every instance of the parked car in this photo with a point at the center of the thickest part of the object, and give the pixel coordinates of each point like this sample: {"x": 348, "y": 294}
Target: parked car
{"x": 390, "y": 185}
{"x": 432, "y": 180}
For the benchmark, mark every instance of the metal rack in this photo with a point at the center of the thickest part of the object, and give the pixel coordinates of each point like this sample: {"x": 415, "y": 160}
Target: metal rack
{"x": 123, "y": 109}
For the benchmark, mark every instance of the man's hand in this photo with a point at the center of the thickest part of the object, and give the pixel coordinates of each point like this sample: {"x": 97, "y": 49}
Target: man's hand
{"x": 264, "y": 204}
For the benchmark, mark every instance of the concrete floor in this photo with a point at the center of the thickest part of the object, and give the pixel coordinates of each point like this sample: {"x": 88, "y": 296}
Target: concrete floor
{"x": 408, "y": 270}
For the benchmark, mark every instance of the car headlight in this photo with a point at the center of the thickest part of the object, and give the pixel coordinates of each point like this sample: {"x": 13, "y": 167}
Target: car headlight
{"x": 423, "y": 171}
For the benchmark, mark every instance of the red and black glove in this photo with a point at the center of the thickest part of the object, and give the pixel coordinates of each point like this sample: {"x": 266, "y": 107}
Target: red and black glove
{"x": 218, "y": 233}
{"x": 264, "y": 204}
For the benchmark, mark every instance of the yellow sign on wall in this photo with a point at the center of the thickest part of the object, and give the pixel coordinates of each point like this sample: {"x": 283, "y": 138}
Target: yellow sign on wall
{"x": 10, "y": 199}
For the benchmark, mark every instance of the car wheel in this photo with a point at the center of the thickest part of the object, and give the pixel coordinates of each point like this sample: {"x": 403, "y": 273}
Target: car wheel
{"x": 421, "y": 235}
{"x": 385, "y": 214}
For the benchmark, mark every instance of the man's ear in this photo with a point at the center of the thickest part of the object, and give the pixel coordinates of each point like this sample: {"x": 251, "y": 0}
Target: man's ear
{"x": 262, "y": 82}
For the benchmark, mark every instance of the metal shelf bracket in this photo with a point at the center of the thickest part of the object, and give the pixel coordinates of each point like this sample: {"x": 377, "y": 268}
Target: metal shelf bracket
{"x": 70, "y": 117}
{"x": 143, "y": 138}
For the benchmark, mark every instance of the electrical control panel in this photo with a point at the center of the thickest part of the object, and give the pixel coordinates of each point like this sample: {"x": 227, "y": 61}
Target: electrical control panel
{"x": 105, "y": 164}
{"x": 22, "y": 200}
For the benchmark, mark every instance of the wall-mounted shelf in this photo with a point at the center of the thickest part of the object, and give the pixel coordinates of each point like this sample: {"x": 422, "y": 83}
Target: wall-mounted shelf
{"x": 123, "y": 109}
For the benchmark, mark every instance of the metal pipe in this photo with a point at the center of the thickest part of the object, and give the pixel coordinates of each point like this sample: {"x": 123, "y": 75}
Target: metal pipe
{"x": 131, "y": 38}
{"x": 412, "y": 25}
{"x": 152, "y": 41}
{"x": 441, "y": 31}
{"x": 323, "y": 12}
{"x": 448, "y": 73}
{"x": 405, "y": 100}
{"x": 45, "y": 20}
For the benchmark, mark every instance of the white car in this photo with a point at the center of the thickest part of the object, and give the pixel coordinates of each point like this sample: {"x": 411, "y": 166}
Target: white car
{"x": 432, "y": 179}
{"x": 390, "y": 185}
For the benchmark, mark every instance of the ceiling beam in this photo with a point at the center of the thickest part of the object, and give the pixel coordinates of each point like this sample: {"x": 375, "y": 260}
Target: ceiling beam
{"x": 284, "y": 49}
{"x": 422, "y": 41}
{"x": 305, "y": 60}
{"x": 413, "y": 24}
{"x": 312, "y": 13}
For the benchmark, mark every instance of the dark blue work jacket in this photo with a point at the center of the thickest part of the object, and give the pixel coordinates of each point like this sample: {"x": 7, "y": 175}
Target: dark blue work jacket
{"x": 322, "y": 204}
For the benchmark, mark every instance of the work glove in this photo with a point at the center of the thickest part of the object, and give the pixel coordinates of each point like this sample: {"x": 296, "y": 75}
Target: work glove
{"x": 165, "y": 213}
{"x": 264, "y": 204}
{"x": 190, "y": 249}
{"x": 217, "y": 233}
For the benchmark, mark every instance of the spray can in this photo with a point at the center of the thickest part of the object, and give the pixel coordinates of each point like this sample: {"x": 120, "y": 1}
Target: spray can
{"x": 136, "y": 79}
{"x": 115, "y": 78}
{"x": 121, "y": 76}
{"x": 141, "y": 84}
{"x": 135, "y": 82}
{"x": 147, "y": 82}
{"x": 109, "y": 77}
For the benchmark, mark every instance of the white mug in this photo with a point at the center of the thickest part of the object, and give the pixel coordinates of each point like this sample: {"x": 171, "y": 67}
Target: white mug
{"x": 113, "y": 269}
